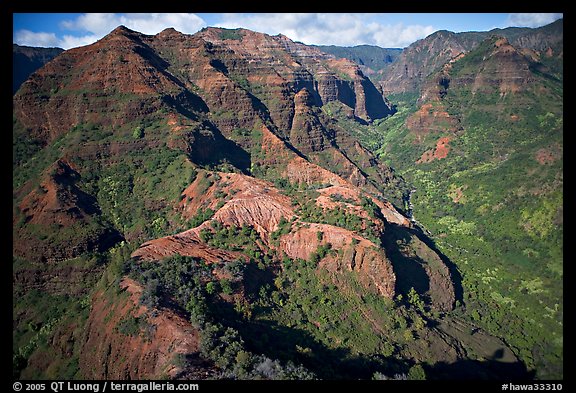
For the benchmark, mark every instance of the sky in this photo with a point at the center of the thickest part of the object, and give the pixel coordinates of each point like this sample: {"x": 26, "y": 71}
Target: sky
{"x": 388, "y": 30}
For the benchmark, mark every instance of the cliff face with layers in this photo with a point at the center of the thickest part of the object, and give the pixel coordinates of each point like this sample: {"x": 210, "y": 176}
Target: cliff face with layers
{"x": 505, "y": 70}
{"x": 134, "y": 136}
{"x": 218, "y": 83}
{"x": 289, "y": 67}
{"x": 259, "y": 205}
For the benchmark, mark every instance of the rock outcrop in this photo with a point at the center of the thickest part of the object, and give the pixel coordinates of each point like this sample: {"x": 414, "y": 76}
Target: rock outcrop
{"x": 258, "y": 204}
{"x": 359, "y": 255}
{"x": 307, "y": 132}
{"x": 56, "y": 220}
{"x": 124, "y": 340}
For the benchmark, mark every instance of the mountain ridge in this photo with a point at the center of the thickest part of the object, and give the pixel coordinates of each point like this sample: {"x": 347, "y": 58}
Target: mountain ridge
{"x": 371, "y": 58}
{"x": 245, "y": 210}
{"x": 27, "y": 59}
{"x": 132, "y": 111}
{"x": 465, "y": 140}
{"x": 426, "y": 55}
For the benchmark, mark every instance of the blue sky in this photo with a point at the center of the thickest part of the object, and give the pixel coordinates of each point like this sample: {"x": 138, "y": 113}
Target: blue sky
{"x": 394, "y": 30}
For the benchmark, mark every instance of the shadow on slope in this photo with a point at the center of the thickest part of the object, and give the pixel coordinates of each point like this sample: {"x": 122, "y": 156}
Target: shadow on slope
{"x": 299, "y": 346}
{"x": 489, "y": 369}
{"x": 409, "y": 266}
{"x": 208, "y": 147}
{"x": 454, "y": 272}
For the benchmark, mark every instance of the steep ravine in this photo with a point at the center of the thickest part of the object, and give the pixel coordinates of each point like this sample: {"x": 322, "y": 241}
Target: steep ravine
{"x": 171, "y": 148}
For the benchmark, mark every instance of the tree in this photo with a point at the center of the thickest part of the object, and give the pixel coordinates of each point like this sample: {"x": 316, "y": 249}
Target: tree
{"x": 150, "y": 293}
{"x": 243, "y": 363}
{"x": 211, "y": 287}
{"x": 416, "y": 373}
{"x": 236, "y": 268}
{"x": 198, "y": 309}
{"x": 414, "y": 299}
{"x": 138, "y": 132}
{"x": 226, "y": 287}
{"x": 246, "y": 230}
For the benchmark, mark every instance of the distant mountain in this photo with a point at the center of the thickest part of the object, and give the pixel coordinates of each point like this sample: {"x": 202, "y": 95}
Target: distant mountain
{"x": 27, "y": 59}
{"x": 427, "y": 55}
{"x": 371, "y": 59}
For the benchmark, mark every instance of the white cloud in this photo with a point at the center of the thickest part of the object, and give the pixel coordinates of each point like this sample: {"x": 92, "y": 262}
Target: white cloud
{"x": 71, "y": 41}
{"x": 147, "y": 23}
{"x": 309, "y": 28}
{"x": 98, "y": 24}
{"x": 329, "y": 29}
{"x": 156, "y": 22}
{"x": 91, "y": 27}
{"x": 400, "y": 36}
{"x": 30, "y": 38}
{"x": 532, "y": 20}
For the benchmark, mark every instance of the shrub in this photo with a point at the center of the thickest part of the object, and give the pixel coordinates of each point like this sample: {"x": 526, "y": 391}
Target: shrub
{"x": 129, "y": 326}
{"x": 150, "y": 295}
{"x": 416, "y": 373}
{"x": 138, "y": 132}
{"x": 226, "y": 286}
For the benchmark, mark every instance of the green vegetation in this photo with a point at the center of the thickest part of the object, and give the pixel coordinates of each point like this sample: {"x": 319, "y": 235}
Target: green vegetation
{"x": 284, "y": 227}
{"x": 130, "y": 192}
{"x": 371, "y": 56}
{"x": 304, "y": 201}
{"x": 138, "y": 132}
{"x": 40, "y": 317}
{"x": 187, "y": 281}
{"x": 23, "y": 146}
{"x": 492, "y": 207}
{"x": 296, "y": 315}
{"x": 156, "y": 179}
{"x": 163, "y": 171}
{"x": 336, "y": 331}
{"x": 200, "y": 217}
{"x": 230, "y": 34}
{"x": 233, "y": 238}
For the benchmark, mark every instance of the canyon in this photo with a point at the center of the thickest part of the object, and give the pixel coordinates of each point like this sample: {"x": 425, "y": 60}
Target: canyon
{"x": 185, "y": 194}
